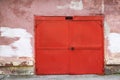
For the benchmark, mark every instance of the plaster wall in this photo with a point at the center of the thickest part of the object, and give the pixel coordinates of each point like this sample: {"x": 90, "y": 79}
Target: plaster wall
{"x": 17, "y": 26}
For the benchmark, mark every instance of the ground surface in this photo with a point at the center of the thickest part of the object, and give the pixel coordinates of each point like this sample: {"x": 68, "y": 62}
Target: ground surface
{"x": 63, "y": 77}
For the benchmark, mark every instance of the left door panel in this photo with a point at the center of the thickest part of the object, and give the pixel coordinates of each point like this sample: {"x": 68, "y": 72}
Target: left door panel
{"x": 51, "y": 47}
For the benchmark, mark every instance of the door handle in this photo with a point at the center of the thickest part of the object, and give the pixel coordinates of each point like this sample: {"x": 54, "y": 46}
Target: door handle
{"x": 69, "y": 18}
{"x": 72, "y": 48}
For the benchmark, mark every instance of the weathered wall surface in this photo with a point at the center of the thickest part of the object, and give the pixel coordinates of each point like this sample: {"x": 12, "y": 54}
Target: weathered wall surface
{"x": 17, "y": 27}
{"x": 112, "y": 17}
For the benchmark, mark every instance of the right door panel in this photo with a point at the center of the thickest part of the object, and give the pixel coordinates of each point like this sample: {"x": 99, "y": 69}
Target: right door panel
{"x": 87, "y": 43}
{"x": 86, "y": 34}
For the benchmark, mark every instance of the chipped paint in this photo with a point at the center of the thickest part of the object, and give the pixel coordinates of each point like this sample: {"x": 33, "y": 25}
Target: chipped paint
{"x": 16, "y": 63}
{"x": 21, "y": 47}
{"x": 113, "y": 61}
{"x": 114, "y": 40}
{"x": 14, "y": 32}
{"x": 106, "y": 29}
{"x": 74, "y": 5}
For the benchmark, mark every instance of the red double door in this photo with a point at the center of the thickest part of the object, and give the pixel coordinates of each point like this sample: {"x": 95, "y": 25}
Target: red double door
{"x": 69, "y": 45}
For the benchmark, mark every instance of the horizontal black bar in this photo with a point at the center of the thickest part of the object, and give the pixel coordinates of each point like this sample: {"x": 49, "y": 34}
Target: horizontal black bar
{"x": 69, "y": 18}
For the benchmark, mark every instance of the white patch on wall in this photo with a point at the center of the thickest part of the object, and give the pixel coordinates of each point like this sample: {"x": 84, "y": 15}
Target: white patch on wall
{"x": 106, "y": 29}
{"x": 22, "y": 47}
{"x": 74, "y": 5}
{"x": 114, "y": 42}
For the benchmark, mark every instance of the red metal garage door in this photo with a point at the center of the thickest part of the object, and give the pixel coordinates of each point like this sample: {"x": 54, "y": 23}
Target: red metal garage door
{"x": 69, "y": 45}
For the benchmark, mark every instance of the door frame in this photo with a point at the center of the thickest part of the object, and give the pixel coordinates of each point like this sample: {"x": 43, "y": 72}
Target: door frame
{"x": 38, "y": 18}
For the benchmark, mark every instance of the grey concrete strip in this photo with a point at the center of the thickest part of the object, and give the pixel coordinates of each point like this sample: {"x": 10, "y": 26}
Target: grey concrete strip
{"x": 65, "y": 77}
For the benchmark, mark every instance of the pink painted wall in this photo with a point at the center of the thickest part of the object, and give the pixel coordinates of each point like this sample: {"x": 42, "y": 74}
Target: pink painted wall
{"x": 112, "y": 40}
{"x": 19, "y": 14}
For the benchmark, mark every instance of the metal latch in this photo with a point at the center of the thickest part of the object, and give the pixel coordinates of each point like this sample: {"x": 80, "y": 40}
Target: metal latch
{"x": 72, "y": 48}
{"x": 69, "y": 18}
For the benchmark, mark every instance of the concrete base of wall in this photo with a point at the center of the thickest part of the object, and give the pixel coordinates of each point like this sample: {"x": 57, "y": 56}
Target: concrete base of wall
{"x": 112, "y": 69}
{"x": 17, "y": 70}
{"x": 29, "y": 70}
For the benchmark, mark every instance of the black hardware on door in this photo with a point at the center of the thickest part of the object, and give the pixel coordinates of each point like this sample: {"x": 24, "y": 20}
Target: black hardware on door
{"x": 72, "y": 48}
{"x": 69, "y": 18}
